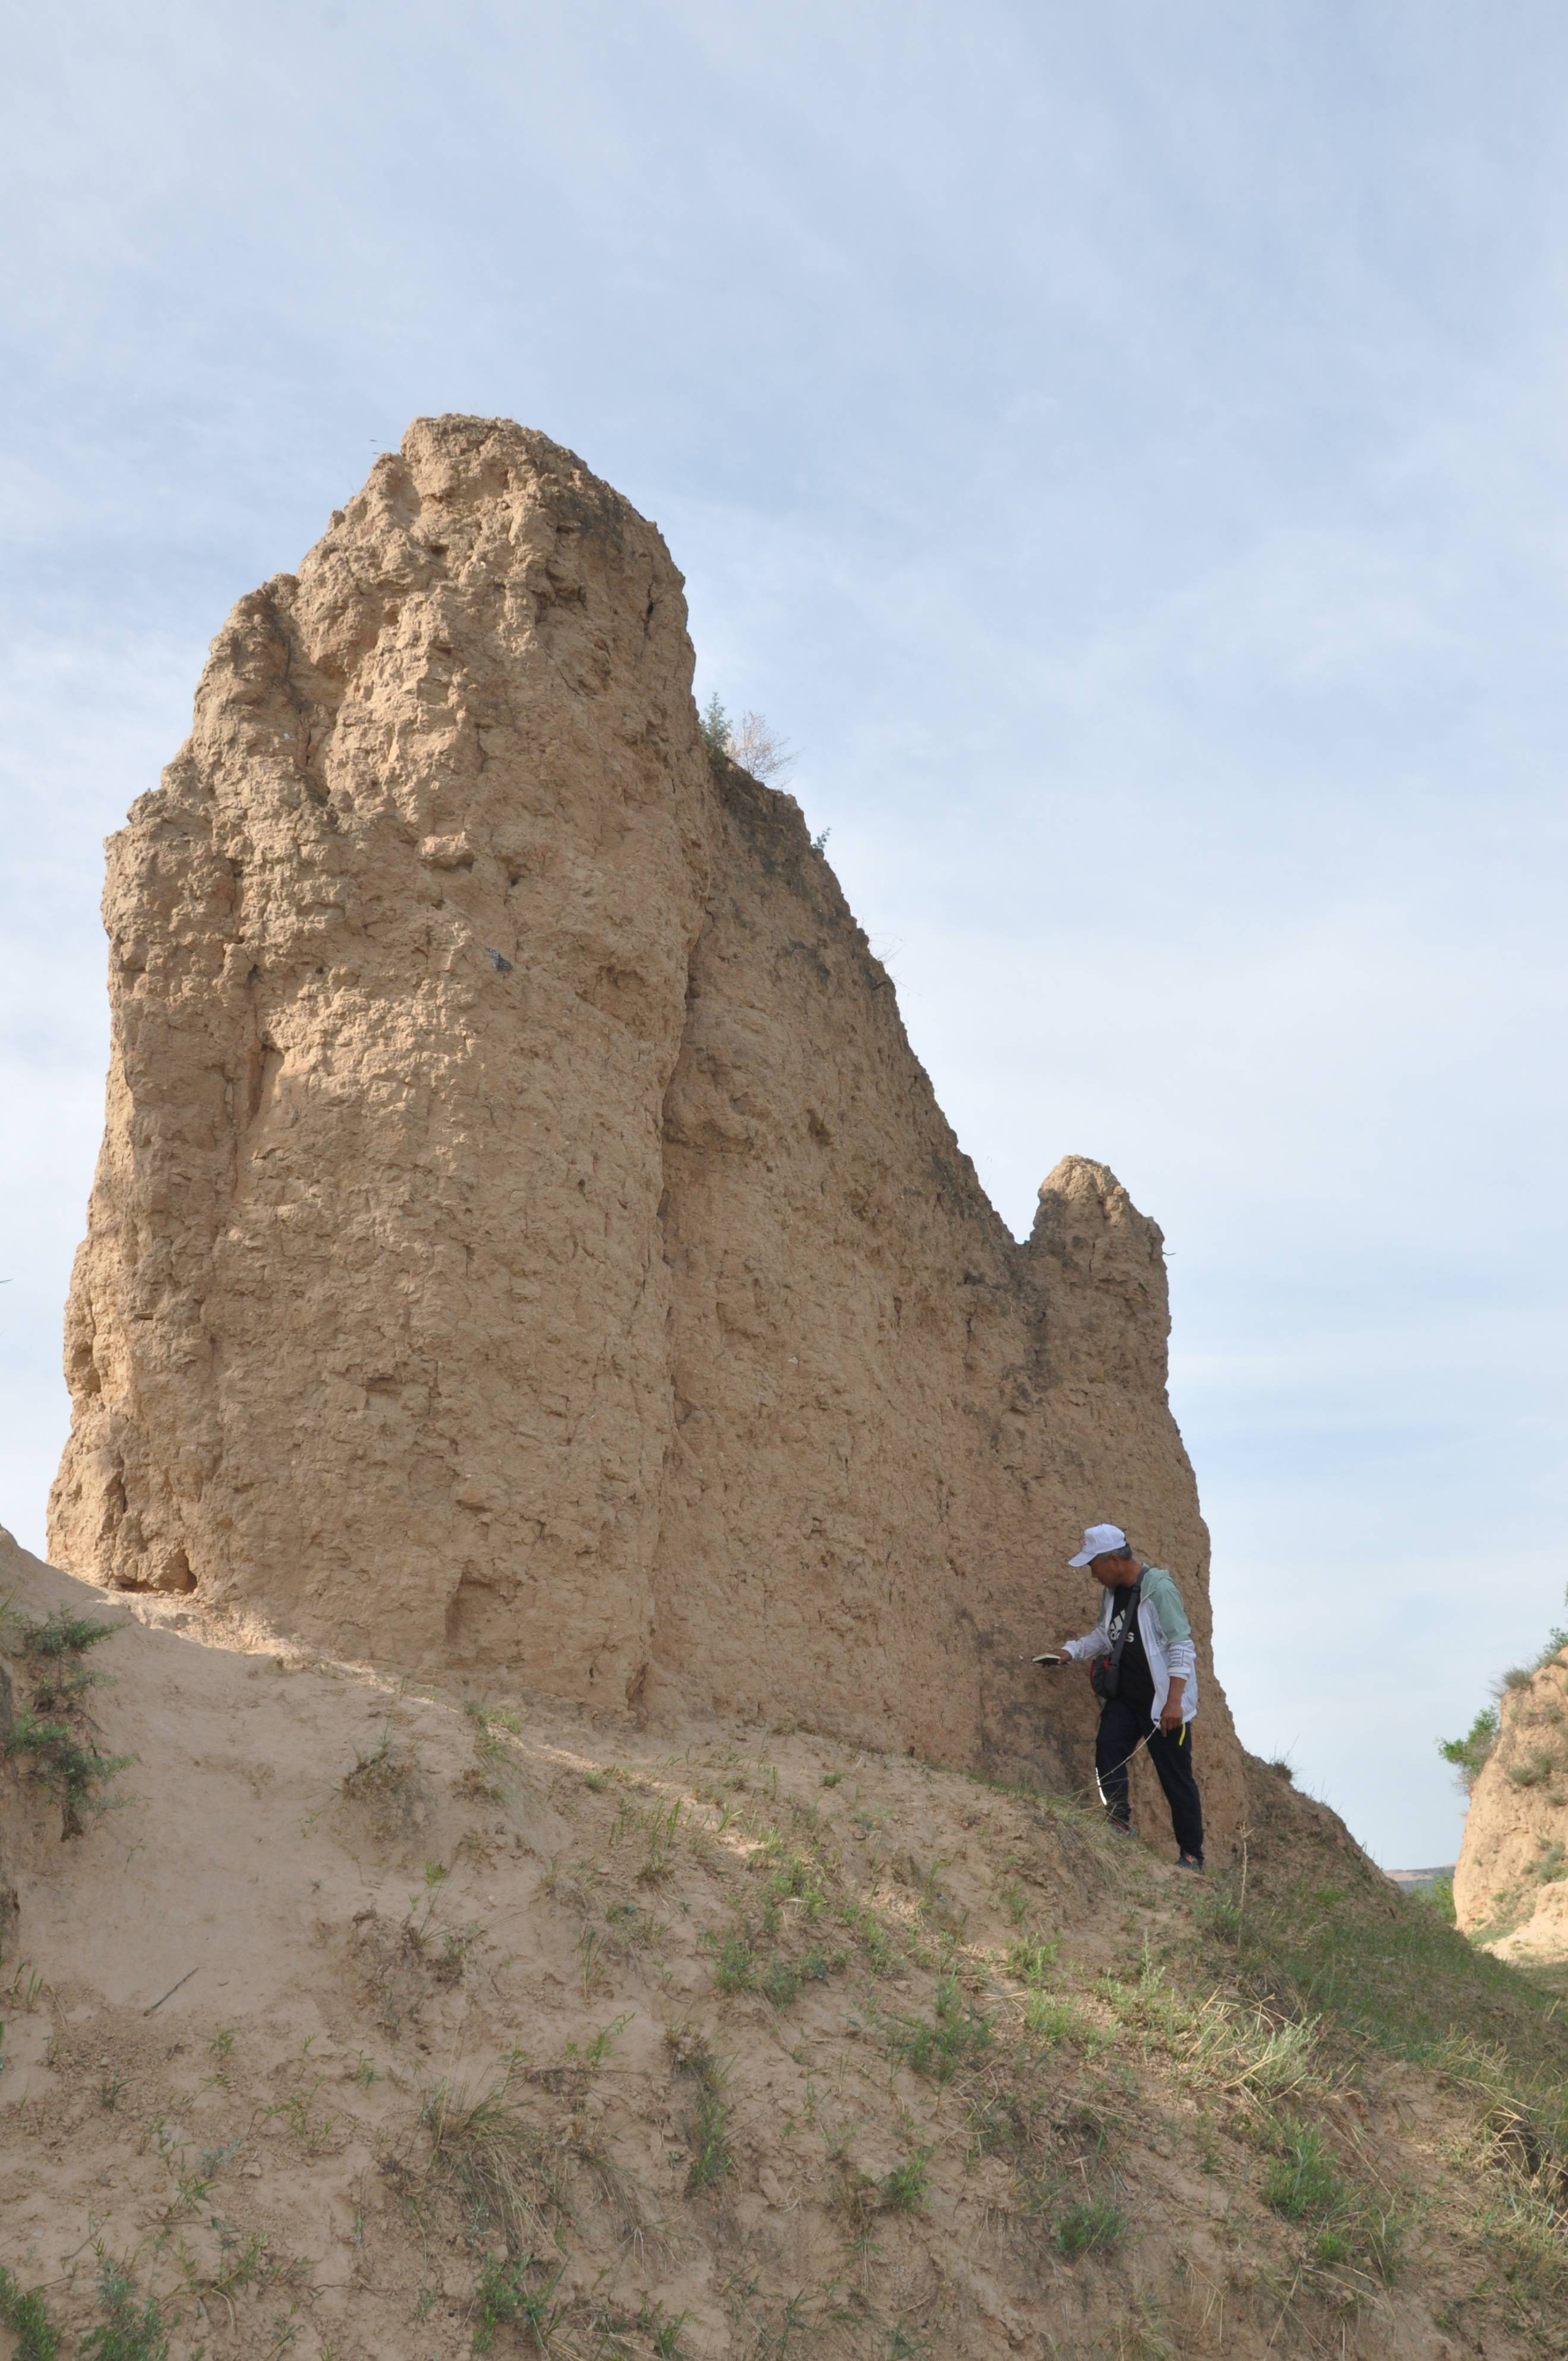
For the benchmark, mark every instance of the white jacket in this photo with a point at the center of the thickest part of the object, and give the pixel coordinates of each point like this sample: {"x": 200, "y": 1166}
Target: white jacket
{"x": 1167, "y": 1636}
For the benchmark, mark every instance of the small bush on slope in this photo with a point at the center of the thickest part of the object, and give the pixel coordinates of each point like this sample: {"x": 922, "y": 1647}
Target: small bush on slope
{"x": 53, "y": 1737}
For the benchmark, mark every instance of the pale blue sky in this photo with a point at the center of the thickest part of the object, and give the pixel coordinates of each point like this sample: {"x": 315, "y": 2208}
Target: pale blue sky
{"x": 1125, "y": 448}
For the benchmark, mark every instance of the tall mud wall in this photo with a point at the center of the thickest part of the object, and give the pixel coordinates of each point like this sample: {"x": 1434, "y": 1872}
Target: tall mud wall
{"x": 523, "y": 1238}
{"x": 1511, "y": 1886}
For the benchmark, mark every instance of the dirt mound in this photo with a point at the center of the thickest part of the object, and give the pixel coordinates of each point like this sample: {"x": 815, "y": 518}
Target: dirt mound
{"x": 1510, "y": 1887}
{"x": 523, "y": 1236}
{"x": 378, "y": 2021}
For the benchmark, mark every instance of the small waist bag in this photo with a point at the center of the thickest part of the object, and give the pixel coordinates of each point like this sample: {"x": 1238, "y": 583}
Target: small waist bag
{"x": 1105, "y": 1672}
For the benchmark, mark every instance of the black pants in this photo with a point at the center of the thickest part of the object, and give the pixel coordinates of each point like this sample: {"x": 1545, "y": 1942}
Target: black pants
{"x": 1121, "y": 1727}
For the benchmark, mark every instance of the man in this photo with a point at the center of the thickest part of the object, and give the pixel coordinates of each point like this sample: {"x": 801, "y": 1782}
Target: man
{"x": 1145, "y": 1676}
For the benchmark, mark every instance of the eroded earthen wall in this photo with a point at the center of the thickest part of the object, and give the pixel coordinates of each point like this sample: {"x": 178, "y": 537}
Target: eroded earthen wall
{"x": 524, "y": 1235}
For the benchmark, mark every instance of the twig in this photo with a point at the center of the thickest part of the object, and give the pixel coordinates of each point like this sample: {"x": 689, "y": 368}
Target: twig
{"x": 171, "y": 1992}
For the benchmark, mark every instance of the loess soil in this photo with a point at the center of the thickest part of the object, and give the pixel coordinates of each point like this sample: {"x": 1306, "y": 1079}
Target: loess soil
{"x": 381, "y": 2021}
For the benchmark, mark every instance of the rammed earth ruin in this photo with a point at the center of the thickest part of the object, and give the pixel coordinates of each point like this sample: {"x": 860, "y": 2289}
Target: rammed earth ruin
{"x": 524, "y": 1235}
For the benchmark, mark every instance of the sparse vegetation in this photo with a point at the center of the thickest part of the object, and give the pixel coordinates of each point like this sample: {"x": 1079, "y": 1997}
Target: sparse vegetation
{"x": 131, "y": 2328}
{"x": 1092, "y": 2226}
{"x": 709, "y": 2130}
{"x": 904, "y": 2189}
{"x": 76, "y": 1772}
{"x": 484, "y": 2149}
{"x": 749, "y": 743}
{"x": 52, "y": 1738}
{"x": 26, "y": 2314}
{"x": 1468, "y": 1754}
{"x": 951, "y": 2036}
{"x": 515, "y": 2295}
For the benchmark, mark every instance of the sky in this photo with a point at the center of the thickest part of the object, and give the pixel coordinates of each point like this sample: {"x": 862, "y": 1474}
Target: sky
{"x": 1125, "y": 450}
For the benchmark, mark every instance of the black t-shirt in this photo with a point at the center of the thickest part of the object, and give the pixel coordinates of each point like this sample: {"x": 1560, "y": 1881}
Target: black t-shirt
{"x": 1135, "y": 1683}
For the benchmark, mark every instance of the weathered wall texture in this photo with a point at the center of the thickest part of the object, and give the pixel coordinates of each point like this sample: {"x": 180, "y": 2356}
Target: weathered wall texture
{"x": 1510, "y": 1886}
{"x": 523, "y": 1234}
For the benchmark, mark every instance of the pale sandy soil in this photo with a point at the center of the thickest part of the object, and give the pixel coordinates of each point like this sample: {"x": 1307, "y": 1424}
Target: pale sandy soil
{"x": 251, "y": 2008}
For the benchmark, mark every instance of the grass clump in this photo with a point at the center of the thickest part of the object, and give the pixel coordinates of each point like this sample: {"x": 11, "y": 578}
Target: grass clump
{"x": 130, "y": 2329}
{"x": 1304, "y": 2181}
{"x": 1031, "y": 1960}
{"x": 1052, "y": 2019}
{"x": 493, "y": 2158}
{"x": 26, "y": 2314}
{"x": 511, "y": 2295}
{"x": 1305, "y": 2185}
{"x": 1093, "y": 2226}
{"x": 709, "y": 2130}
{"x": 938, "y": 2045}
{"x": 388, "y": 1783}
{"x": 903, "y": 2191}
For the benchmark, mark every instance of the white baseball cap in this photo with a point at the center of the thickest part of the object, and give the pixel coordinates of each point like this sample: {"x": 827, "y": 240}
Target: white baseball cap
{"x": 1098, "y": 1541}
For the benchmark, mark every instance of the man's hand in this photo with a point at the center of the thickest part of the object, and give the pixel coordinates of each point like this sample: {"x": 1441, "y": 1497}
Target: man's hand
{"x": 1171, "y": 1713}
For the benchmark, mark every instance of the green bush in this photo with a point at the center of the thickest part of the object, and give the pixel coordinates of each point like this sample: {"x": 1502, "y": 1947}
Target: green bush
{"x": 77, "y": 1773}
{"x": 63, "y": 1635}
{"x": 1468, "y": 1754}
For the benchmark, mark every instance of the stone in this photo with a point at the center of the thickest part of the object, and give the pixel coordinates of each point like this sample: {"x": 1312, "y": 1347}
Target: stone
{"x": 524, "y": 1241}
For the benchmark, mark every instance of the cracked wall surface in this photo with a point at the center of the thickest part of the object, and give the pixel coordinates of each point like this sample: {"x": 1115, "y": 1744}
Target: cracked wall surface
{"x": 523, "y": 1234}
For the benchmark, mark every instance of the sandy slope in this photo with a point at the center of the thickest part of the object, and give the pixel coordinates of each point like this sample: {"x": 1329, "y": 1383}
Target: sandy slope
{"x": 368, "y": 1907}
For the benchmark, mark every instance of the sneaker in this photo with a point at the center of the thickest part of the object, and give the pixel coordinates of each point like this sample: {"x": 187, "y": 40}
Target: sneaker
{"x": 1120, "y": 1828}
{"x": 1190, "y": 1861}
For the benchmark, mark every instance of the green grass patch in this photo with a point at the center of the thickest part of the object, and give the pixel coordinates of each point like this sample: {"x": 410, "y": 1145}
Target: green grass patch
{"x": 76, "y": 1772}
{"x": 1093, "y": 2226}
{"x": 25, "y": 2313}
{"x": 936, "y": 2046}
{"x": 512, "y": 2295}
{"x": 131, "y": 2328}
{"x": 903, "y": 2191}
{"x": 1031, "y": 1961}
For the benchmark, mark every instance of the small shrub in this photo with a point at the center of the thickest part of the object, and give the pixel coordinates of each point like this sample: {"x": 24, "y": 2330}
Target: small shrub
{"x": 63, "y": 1635}
{"x": 1468, "y": 1754}
{"x": 27, "y": 2315}
{"x": 1555, "y": 1643}
{"x": 1092, "y": 2226}
{"x": 76, "y": 1773}
{"x": 1534, "y": 1768}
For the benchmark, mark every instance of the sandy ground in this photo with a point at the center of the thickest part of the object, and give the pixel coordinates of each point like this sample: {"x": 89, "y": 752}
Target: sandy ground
{"x": 367, "y": 1999}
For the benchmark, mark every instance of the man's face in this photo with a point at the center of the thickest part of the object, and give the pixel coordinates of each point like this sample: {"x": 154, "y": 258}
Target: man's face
{"x": 1111, "y": 1568}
